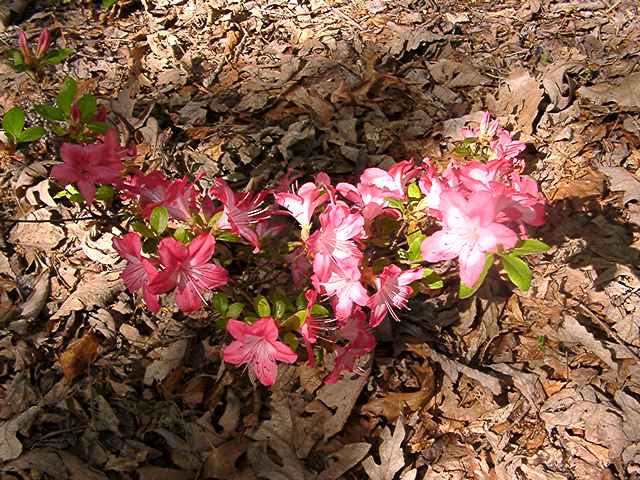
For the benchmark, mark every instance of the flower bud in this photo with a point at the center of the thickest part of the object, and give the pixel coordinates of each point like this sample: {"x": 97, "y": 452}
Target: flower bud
{"x": 43, "y": 42}
{"x": 24, "y": 47}
{"x": 75, "y": 113}
{"x": 101, "y": 114}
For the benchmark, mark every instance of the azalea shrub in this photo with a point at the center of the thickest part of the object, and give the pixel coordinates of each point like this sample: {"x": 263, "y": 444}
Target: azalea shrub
{"x": 308, "y": 272}
{"x": 305, "y": 270}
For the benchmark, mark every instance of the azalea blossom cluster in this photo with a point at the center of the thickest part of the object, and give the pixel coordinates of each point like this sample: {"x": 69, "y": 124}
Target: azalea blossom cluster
{"x": 333, "y": 252}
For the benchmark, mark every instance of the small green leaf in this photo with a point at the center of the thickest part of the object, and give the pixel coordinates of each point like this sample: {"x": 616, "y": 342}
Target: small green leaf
{"x": 301, "y": 301}
{"x": 56, "y": 56}
{"x": 181, "y": 235}
{"x": 58, "y": 130}
{"x": 159, "y": 219}
{"x": 17, "y": 60}
{"x": 49, "y": 112}
{"x": 517, "y": 271}
{"x": 319, "y": 311}
{"x": 105, "y": 193}
{"x": 414, "y": 240}
{"x": 228, "y": 237}
{"x": 279, "y": 309}
{"x": 263, "y": 309}
{"x": 395, "y": 203}
{"x": 31, "y": 134}
{"x": 291, "y": 340}
{"x": 414, "y": 192}
{"x": 142, "y": 229}
{"x": 66, "y": 95}
{"x": 529, "y": 247}
{"x": 13, "y": 121}
{"x": 106, "y": 4}
{"x": 465, "y": 291}
{"x": 220, "y": 303}
{"x": 87, "y": 106}
{"x": 98, "y": 127}
{"x": 431, "y": 279}
{"x": 234, "y": 310}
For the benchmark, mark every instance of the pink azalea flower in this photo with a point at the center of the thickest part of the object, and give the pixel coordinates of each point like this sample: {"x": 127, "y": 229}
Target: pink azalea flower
{"x": 344, "y": 284}
{"x": 470, "y": 230}
{"x": 393, "y": 292}
{"x": 89, "y": 165}
{"x": 312, "y": 326}
{"x": 302, "y": 204}
{"x": 257, "y": 345}
{"x": 334, "y": 242}
{"x": 360, "y": 343}
{"x": 521, "y": 202}
{"x": 241, "y": 211}
{"x": 505, "y": 148}
{"x": 188, "y": 270}
{"x": 139, "y": 270}
{"x": 155, "y": 190}
{"x": 485, "y": 132}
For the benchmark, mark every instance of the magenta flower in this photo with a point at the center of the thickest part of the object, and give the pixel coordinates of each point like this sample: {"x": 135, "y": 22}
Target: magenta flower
{"x": 89, "y": 165}
{"x": 302, "y": 204}
{"x": 188, "y": 270}
{"x": 257, "y": 345}
{"x": 360, "y": 343}
{"x": 344, "y": 284}
{"x": 154, "y": 190}
{"x": 393, "y": 292}
{"x": 139, "y": 270}
{"x": 334, "y": 242}
{"x": 312, "y": 326}
{"x": 470, "y": 230}
{"x": 44, "y": 40}
{"x": 241, "y": 211}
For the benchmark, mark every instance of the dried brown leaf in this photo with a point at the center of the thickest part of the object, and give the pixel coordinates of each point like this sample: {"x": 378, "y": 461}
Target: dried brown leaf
{"x": 343, "y": 460}
{"x": 390, "y": 454}
{"x": 77, "y": 357}
{"x": 10, "y": 446}
{"x": 95, "y": 289}
{"x": 166, "y": 359}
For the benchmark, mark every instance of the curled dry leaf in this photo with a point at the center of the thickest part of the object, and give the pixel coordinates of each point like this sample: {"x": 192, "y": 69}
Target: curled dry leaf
{"x": 96, "y": 289}
{"x": 166, "y": 359}
{"x": 77, "y": 357}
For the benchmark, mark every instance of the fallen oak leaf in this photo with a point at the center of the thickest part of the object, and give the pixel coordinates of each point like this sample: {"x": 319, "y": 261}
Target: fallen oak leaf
{"x": 343, "y": 460}
{"x": 95, "y": 290}
{"x": 10, "y": 446}
{"x": 77, "y": 357}
{"x": 390, "y": 453}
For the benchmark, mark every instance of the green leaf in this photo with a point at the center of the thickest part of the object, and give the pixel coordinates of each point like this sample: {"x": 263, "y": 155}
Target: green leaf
{"x": 228, "y": 237}
{"x": 49, "y": 112}
{"x": 159, "y": 219}
{"x": 220, "y": 303}
{"x": 279, "y": 309}
{"x": 395, "y": 203}
{"x": 87, "y": 106}
{"x": 234, "y": 310}
{"x": 319, "y": 311}
{"x": 105, "y": 193}
{"x": 31, "y": 134}
{"x": 431, "y": 279}
{"x": 66, "y": 95}
{"x": 106, "y": 4}
{"x": 13, "y": 121}
{"x": 17, "y": 60}
{"x": 56, "y": 56}
{"x": 529, "y": 247}
{"x": 263, "y": 309}
{"x": 181, "y": 235}
{"x": 517, "y": 271}
{"x": 98, "y": 127}
{"x": 466, "y": 291}
{"x": 301, "y": 301}
{"x": 58, "y": 130}
{"x": 291, "y": 340}
{"x": 414, "y": 192}
{"x": 414, "y": 240}
{"x": 142, "y": 229}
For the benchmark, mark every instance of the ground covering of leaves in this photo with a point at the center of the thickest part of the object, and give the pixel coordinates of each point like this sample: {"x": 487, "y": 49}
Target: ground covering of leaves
{"x": 543, "y": 385}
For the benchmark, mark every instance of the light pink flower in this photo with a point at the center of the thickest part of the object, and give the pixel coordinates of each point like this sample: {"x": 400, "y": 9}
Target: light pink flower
{"x": 302, "y": 204}
{"x": 485, "y": 132}
{"x": 257, "y": 345}
{"x": 505, "y": 148}
{"x": 242, "y": 210}
{"x": 470, "y": 230}
{"x": 90, "y": 165}
{"x": 393, "y": 292}
{"x": 155, "y": 190}
{"x": 312, "y": 326}
{"x": 334, "y": 242}
{"x": 344, "y": 284}
{"x": 139, "y": 270}
{"x": 360, "y": 343}
{"x": 188, "y": 270}
{"x": 521, "y": 202}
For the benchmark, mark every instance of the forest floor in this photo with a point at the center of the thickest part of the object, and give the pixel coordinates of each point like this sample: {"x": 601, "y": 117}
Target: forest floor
{"x": 543, "y": 385}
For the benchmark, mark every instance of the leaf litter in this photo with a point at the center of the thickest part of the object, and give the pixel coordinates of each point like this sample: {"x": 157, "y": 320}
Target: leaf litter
{"x": 543, "y": 385}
